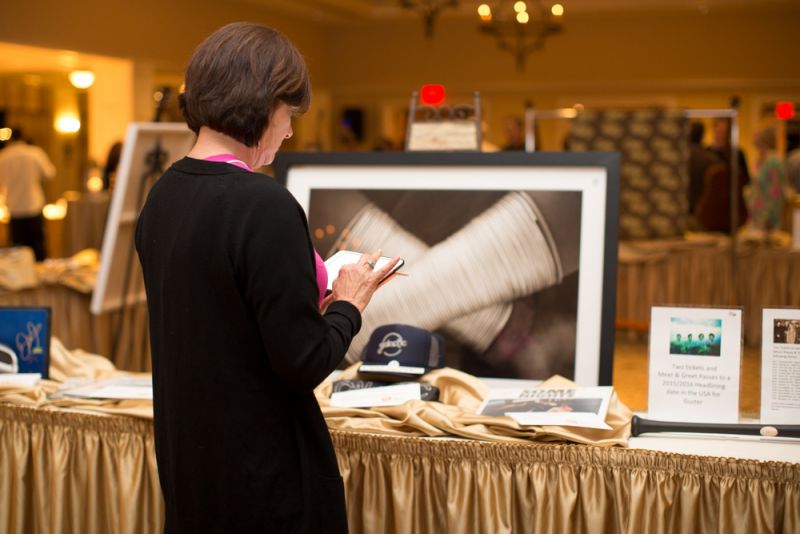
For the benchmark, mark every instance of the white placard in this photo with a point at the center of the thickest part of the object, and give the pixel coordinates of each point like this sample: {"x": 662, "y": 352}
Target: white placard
{"x": 27, "y": 380}
{"x": 123, "y": 388}
{"x": 376, "y": 397}
{"x": 780, "y": 366}
{"x": 695, "y": 362}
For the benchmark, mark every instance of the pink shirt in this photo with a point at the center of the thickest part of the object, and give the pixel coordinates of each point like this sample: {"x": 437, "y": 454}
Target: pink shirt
{"x": 322, "y": 272}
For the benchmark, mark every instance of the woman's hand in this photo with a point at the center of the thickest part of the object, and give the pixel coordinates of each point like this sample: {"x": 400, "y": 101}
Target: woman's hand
{"x": 358, "y": 281}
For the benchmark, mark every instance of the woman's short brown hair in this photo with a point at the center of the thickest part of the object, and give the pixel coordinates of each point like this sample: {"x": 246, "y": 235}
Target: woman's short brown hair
{"x": 237, "y": 77}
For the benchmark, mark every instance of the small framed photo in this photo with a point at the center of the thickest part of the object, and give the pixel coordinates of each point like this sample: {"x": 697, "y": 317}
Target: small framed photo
{"x": 694, "y": 364}
{"x": 780, "y": 365}
{"x": 25, "y": 340}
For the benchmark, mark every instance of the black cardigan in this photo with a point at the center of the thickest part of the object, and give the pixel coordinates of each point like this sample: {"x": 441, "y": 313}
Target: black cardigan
{"x": 238, "y": 345}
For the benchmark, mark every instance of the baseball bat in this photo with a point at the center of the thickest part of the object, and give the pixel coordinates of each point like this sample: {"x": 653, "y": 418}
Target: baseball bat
{"x": 640, "y": 425}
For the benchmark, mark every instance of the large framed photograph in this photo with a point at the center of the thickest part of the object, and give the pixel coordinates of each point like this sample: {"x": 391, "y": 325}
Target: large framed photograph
{"x": 510, "y": 256}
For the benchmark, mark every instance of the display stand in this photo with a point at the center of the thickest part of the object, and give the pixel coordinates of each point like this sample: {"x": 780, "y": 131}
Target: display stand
{"x": 444, "y": 127}
{"x": 149, "y": 148}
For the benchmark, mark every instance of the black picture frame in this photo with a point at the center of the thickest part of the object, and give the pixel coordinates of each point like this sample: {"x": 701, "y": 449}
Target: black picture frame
{"x": 566, "y": 166}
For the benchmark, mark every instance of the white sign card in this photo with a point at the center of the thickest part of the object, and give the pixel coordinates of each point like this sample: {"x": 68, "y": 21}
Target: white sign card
{"x": 26, "y": 380}
{"x": 695, "y": 364}
{"x": 780, "y": 366}
{"x": 584, "y": 407}
{"x": 394, "y": 395}
{"x": 123, "y": 388}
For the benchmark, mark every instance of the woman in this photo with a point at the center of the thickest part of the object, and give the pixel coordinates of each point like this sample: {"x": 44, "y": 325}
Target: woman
{"x": 234, "y": 293}
{"x": 766, "y": 194}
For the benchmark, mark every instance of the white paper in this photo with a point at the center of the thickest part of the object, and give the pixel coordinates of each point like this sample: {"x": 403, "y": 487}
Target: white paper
{"x": 584, "y": 407}
{"x": 391, "y": 369}
{"x": 694, "y": 364}
{"x": 586, "y": 420}
{"x": 376, "y": 397}
{"x": 27, "y": 380}
{"x": 118, "y": 389}
{"x": 345, "y": 257}
{"x": 780, "y": 366}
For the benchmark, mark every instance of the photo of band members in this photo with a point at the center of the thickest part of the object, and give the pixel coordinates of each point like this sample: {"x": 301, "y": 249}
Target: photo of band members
{"x": 697, "y": 337}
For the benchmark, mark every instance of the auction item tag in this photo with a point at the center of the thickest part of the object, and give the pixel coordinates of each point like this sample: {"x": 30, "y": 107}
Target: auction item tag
{"x": 694, "y": 364}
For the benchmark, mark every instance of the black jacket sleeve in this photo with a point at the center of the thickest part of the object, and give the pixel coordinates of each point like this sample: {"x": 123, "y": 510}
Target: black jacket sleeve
{"x": 274, "y": 262}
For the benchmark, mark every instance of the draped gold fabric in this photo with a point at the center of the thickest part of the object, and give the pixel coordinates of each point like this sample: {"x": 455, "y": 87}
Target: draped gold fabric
{"x": 699, "y": 271}
{"x": 461, "y": 396}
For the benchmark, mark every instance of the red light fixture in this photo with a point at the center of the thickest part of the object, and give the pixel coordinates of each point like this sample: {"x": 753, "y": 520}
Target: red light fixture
{"x": 784, "y": 110}
{"x": 432, "y": 94}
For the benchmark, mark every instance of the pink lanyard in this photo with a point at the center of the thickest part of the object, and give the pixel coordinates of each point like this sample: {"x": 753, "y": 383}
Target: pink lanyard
{"x": 229, "y": 158}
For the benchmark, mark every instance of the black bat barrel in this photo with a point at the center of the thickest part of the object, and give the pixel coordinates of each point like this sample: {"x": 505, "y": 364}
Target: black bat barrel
{"x": 640, "y": 425}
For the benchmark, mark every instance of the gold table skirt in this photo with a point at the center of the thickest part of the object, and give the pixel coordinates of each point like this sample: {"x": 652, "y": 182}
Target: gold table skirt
{"x": 69, "y": 472}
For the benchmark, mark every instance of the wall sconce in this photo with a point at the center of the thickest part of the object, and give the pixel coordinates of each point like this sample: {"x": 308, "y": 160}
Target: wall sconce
{"x": 81, "y": 79}
{"x": 68, "y": 124}
{"x": 55, "y": 212}
{"x": 94, "y": 183}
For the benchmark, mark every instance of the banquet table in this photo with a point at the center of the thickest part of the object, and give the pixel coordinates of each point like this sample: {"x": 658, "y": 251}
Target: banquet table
{"x": 65, "y": 470}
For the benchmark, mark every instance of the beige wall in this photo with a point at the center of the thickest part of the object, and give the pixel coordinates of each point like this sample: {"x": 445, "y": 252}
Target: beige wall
{"x": 161, "y": 31}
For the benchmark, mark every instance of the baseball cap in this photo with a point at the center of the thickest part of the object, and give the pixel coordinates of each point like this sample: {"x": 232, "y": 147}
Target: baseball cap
{"x": 402, "y": 351}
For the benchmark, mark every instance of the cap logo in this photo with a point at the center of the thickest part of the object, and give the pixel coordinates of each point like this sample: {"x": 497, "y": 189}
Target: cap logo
{"x": 392, "y": 344}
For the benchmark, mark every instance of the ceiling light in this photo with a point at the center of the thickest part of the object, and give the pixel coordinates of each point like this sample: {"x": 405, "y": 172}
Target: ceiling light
{"x": 81, "y": 79}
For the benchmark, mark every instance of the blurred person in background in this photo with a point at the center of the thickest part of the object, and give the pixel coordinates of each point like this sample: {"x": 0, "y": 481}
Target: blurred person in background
{"x": 23, "y": 167}
{"x": 700, "y": 159}
{"x": 766, "y": 192}
{"x": 514, "y": 129}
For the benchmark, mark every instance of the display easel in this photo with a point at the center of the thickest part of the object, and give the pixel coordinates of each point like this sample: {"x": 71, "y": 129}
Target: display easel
{"x": 444, "y": 127}
{"x": 732, "y": 113}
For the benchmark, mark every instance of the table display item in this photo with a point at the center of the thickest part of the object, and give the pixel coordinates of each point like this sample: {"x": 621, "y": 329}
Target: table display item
{"x": 427, "y": 391}
{"x": 391, "y": 395}
{"x": 641, "y": 425}
{"x": 401, "y": 351}
{"x": 511, "y": 257}
{"x": 780, "y": 365}
{"x": 581, "y": 407}
{"x": 123, "y": 388}
{"x": 25, "y": 340}
{"x": 694, "y": 364}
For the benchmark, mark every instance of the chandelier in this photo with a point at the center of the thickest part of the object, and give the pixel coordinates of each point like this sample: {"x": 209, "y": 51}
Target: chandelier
{"x": 429, "y": 9}
{"x": 520, "y": 27}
